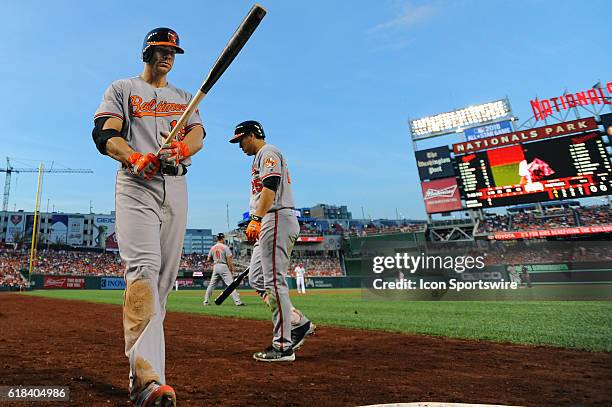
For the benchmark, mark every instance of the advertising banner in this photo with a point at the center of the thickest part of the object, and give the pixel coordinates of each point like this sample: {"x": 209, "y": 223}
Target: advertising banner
{"x": 29, "y": 227}
{"x": 441, "y": 195}
{"x": 15, "y": 227}
{"x": 310, "y": 239}
{"x": 112, "y": 283}
{"x": 185, "y": 282}
{"x": 75, "y": 231}
{"x": 59, "y": 229}
{"x": 434, "y": 163}
{"x": 64, "y": 282}
{"x": 490, "y": 130}
{"x": 104, "y": 230}
{"x": 559, "y": 129}
{"x": 582, "y": 230}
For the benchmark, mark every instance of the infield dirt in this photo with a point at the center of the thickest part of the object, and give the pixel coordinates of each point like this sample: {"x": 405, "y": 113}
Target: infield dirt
{"x": 80, "y": 345}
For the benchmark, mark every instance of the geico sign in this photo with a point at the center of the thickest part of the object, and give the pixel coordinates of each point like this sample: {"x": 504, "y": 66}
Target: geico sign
{"x": 485, "y": 275}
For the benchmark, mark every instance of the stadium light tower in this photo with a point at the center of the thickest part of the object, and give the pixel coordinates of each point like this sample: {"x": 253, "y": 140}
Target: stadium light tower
{"x": 10, "y": 169}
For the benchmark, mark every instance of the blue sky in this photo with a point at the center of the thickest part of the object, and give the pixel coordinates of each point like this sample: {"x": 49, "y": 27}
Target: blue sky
{"x": 332, "y": 82}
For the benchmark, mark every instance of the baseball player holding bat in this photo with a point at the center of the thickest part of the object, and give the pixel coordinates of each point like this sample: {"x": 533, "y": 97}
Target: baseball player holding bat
{"x": 137, "y": 116}
{"x": 223, "y": 269}
{"x": 274, "y": 228}
{"x": 132, "y": 121}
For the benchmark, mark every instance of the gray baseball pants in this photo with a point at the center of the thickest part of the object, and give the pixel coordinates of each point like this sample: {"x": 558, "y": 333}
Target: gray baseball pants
{"x": 268, "y": 271}
{"x": 150, "y": 227}
{"x": 221, "y": 272}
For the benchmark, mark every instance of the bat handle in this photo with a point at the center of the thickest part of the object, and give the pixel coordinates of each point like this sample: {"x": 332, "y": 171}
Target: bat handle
{"x": 169, "y": 139}
{"x": 183, "y": 119}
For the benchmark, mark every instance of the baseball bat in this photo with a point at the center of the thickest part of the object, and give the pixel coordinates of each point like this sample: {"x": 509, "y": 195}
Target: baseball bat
{"x": 230, "y": 288}
{"x": 231, "y": 50}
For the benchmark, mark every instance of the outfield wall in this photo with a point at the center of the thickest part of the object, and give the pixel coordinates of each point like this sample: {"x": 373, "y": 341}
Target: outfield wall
{"x": 40, "y": 281}
{"x": 561, "y": 273}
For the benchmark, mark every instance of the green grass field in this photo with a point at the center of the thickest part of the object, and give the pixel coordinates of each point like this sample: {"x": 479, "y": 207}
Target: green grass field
{"x": 573, "y": 324}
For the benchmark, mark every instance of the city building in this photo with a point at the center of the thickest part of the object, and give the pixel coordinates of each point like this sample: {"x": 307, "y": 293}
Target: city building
{"x": 198, "y": 241}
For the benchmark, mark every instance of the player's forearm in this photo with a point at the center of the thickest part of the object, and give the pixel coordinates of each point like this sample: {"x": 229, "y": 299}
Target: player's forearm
{"x": 230, "y": 264}
{"x": 118, "y": 149}
{"x": 266, "y": 199}
{"x": 194, "y": 140}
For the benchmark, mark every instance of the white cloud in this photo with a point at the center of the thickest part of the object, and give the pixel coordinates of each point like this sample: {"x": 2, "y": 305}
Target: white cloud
{"x": 409, "y": 16}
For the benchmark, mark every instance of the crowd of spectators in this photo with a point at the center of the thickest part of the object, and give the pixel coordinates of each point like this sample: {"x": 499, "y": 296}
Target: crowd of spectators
{"x": 195, "y": 261}
{"x": 10, "y": 267}
{"x": 546, "y": 253}
{"x": 534, "y": 221}
{"x": 84, "y": 263}
{"x": 493, "y": 223}
{"x": 318, "y": 266}
{"x": 595, "y": 215}
{"x": 79, "y": 263}
{"x": 307, "y": 229}
{"x": 549, "y": 219}
{"x": 372, "y": 229}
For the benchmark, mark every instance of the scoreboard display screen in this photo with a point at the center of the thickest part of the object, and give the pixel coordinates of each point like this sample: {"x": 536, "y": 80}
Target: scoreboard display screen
{"x": 562, "y": 168}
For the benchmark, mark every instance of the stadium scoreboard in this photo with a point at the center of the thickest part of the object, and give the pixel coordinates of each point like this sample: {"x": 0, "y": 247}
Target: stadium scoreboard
{"x": 561, "y": 168}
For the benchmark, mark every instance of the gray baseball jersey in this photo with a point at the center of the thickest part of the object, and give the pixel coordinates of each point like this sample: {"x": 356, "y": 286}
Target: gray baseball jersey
{"x": 146, "y": 111}
{"x": 219, "y": 253}
{"x": 269, "y": 162}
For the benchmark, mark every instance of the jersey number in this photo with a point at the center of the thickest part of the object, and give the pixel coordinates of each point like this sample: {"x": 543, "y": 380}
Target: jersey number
{"x": 181, "y": 134}
{"x": 256, "y": 186}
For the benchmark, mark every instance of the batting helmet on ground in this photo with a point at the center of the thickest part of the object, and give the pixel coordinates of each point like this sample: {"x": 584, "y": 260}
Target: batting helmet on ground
{"x": 160, "y": 36}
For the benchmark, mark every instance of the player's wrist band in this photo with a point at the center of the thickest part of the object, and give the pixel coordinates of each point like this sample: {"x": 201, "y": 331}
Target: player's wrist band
{"x": 256, "y": 218}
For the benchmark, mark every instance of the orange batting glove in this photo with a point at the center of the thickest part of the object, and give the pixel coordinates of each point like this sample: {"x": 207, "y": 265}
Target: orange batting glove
{"x": 253, "y": 229}
{"x": 145, "y": 166}
{"x": 173, "y": 153}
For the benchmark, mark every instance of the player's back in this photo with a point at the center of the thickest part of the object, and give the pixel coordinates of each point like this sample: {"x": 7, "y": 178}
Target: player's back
{"x": 219, "y": 253}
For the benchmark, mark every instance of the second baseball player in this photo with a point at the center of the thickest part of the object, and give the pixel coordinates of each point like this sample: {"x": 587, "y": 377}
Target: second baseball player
{"x": 223, "y": 269}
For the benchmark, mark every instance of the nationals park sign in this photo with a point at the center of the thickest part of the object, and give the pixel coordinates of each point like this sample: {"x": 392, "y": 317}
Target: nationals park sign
{"x": 594, "y": 96}
{"x": 559, "y": 129}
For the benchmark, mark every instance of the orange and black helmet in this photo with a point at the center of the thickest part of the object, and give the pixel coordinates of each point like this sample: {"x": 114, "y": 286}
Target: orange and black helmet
{"x": 160, "y": 36}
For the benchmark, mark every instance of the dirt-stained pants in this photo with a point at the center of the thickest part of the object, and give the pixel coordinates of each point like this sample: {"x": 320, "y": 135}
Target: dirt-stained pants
{"x": 150, "y": 227}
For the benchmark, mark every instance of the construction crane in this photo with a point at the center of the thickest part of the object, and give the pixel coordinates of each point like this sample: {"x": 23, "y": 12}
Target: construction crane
{"x": 10, "y": 169}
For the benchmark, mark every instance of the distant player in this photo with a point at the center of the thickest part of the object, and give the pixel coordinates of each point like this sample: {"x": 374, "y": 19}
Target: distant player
{"x": 300, "y": 271}
{"x": 274, "y": 228}
{"x": 223, "y": 269}
{"x": 130, "y": 124}
{"x": 513, "y": 272}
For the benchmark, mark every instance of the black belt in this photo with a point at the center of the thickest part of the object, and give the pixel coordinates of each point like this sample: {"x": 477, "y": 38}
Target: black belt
{"x": 181, "y": 169}
{"x": 280, "y": 209}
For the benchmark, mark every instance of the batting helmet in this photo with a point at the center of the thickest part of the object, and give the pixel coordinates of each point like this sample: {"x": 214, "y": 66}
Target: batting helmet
{"x": 244, "y": 128}
{"x": 160, "y": 36}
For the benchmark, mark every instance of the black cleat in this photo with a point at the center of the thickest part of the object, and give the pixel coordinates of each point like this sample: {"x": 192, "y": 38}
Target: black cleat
{"x": 271, "y": 354}
{"x": 299, "y": 334}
